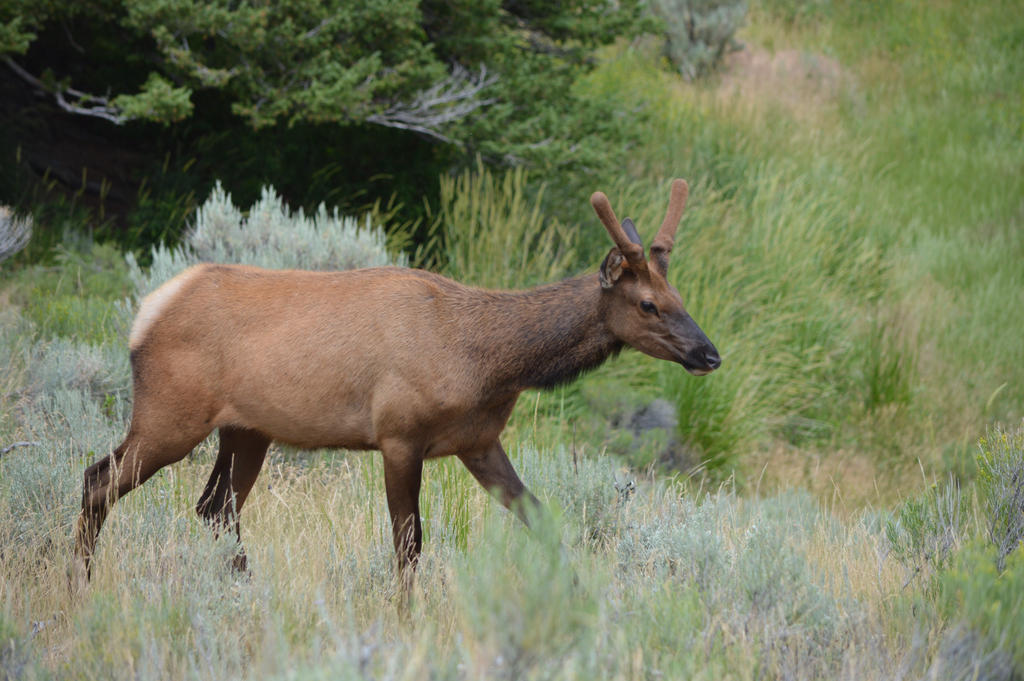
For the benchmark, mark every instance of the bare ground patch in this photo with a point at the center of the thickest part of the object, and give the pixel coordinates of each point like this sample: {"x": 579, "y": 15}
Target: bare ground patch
{"x": 805, "y": 83}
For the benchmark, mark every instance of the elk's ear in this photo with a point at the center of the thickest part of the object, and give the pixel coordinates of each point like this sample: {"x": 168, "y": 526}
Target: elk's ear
{"x": 612, "y": 268}
{"x": 630, "y": 229}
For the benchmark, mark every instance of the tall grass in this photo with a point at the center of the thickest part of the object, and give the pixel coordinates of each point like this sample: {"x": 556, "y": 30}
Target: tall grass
{"x": 496, "y": 234}
{"x": 771, "y": 275}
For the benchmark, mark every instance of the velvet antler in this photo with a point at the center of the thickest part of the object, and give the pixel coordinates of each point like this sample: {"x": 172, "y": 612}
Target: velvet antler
{"x": 633, "y": 251}
{"x": 661, "y": 247}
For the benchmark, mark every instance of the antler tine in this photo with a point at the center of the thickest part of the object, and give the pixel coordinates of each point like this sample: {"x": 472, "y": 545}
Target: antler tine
{"x": 634, "y": 252}
{"x": 662, "y": 244}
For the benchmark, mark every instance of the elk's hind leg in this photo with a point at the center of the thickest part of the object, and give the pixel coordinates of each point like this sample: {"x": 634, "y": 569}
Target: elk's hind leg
{"x": 143, "y": 452}
{"x": 239, "y": 460}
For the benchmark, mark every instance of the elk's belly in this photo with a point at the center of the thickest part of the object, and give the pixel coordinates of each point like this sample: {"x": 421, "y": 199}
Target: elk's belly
{"x": 303, "y": 417}
{"x": 437, "y": 426}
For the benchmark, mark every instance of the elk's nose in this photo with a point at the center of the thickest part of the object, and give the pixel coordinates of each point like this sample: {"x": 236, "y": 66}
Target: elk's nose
{"x": 712, "y": 358}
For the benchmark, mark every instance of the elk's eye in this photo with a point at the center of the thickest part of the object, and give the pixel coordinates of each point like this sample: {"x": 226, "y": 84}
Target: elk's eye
{"x": 648, "y": 307}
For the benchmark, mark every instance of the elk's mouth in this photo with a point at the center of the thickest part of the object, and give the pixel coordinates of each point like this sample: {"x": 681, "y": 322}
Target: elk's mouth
{"x": 700, "y": 362}
{"x": 696, "y": 370}
{"x": 689, "y": 346}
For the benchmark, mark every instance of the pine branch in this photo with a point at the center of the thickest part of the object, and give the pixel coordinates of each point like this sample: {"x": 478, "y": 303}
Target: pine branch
{"x": 81, "y": 103}
{"x": 448, "y": 100}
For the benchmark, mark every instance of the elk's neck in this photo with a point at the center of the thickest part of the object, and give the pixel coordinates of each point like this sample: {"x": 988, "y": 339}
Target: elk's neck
{"x": 545, "y": 336}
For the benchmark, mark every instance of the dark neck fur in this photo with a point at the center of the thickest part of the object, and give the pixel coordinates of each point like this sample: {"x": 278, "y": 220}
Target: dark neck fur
{"x": 542, "y": 337}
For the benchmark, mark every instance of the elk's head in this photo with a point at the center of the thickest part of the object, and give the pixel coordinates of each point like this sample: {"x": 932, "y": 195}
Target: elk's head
{"x": 645, "y": 311}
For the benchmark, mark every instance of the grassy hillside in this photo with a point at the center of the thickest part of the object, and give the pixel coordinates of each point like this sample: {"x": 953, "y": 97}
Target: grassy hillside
{"x": 854, "y": 239}
{"x": 841, "y": 500}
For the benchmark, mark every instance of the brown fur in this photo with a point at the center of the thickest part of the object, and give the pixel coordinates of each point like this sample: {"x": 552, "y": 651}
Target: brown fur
{"x": 403, "y": 361}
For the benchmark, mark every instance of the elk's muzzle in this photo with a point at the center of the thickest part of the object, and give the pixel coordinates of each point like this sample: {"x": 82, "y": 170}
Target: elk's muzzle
{"x": 703, "y": 360}
{"x": 700, "y": 356}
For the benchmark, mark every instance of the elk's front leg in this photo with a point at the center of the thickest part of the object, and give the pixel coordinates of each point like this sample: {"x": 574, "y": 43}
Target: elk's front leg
{"x": 494, "y": 471}
{"x": 403, "y": 472}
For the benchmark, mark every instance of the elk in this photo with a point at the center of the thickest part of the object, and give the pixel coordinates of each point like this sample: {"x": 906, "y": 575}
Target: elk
{"x": 398, "y": 360}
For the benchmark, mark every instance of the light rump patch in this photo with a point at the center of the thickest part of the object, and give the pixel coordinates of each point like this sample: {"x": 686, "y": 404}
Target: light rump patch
{"x": 154, "y": 304}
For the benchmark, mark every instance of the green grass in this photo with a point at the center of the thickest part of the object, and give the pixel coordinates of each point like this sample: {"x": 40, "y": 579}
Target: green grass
{"x": 74, "y": 296}
{"x": 494, "y": 232}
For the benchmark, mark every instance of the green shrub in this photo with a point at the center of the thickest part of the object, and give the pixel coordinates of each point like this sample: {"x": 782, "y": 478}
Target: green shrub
{"x": 585, "y": 492}
{"x": 683, "y": 543}
{"x": 70, "y": 397}
{"x": 988, "y": 602}
{"x": 14, "y": 657}
{"x": 1001, "y": 487}
{"x": 96, "y": 371}
{"x": 75, "y": 405}
{"x": 965, "y": 655}
{"x": 510, "y": 604}
{"x": 699, "y": 33}
{"x": 40, "y": 487}
{"x": 775, "y": 581}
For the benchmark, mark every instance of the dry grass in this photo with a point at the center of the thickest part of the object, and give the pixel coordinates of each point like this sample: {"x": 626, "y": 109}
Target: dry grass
{"x": 491, "y": 600}
{"x": 665, "y": 586}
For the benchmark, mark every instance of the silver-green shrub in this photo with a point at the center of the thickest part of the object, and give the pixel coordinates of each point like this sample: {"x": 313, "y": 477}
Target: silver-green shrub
{"x": 65, "y": 364}
{"x": 699, "y": 33}
{"x": 40, "y": 486}
{"x": 925, "y": 531}
{"x": 683, "y": 542}
{"x": 774, "y": 579}
{"x": 584, "y": 491}
{"x": 268, "y": 235}
{"x": 14, "y": 233}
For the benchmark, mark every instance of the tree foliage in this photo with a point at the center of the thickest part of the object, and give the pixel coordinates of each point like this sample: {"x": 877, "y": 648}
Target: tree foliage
{"x": 466, "y": 71}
